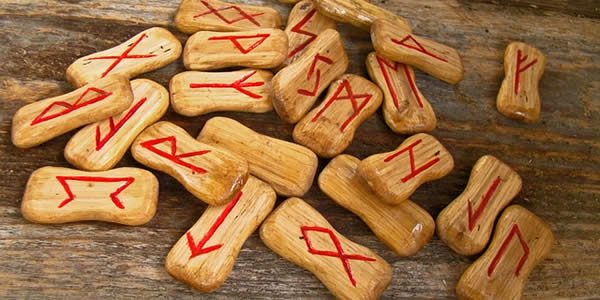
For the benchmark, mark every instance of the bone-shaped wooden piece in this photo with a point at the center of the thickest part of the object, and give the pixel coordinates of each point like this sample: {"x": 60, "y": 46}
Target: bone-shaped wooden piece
{"x": 521, "y": 241}
{"x": 210, "y": 50}
{"x": 41, "y": 121}
{"x": 197, "y": 93}
{"x": 405, "y": 109}
{"x": 329, "y": 128}
{"x": 60, "y": 195}
{"x": 398, "y": 44}
{"x": 148, "y": 50}
{"x": 519, "y": 96}
{"x": 396, "y": 175}
{"x": 359, "y": 13}
{"x": 466, "y": 224}
{"x": 405, "y": 228}
{"x": 205, "y": 255}
{"x": 297, "y": 86}
{"x": 304, "y": 25}
{"x": 289, "y": 168}
{"x": 300, "y": 234}
{"x": 214, "y": 15}
{"x": 101, "y": 145}
{"x": 211, "y": 174}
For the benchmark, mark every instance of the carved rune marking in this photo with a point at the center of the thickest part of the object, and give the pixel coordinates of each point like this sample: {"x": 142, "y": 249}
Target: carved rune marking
{"x": 416, "y": 46}
{"x": 217, "y": 11}
{"x": 113, "y": 128}
{"x": 198, "y": 249}
{"x": 414, "y": 171}
{"x": 473, "y": 217}
{"x": 124, "y": 55}
{"x": 298, "y": 29}
{"x": 504, "y": 247}
{"x": 339, "y": 253}
{"x": 65, "y": 107}
{"x": 114, "y": 196}
{"x": 356, "y": 108}
{"x": 172, "y": 155}
{"x": 235, "y": 40}
{"x": 383, "y": 63}
{"x": 520, "y": 68}
{"x": 318, "y": 57}
{"x": 238, "y": 85}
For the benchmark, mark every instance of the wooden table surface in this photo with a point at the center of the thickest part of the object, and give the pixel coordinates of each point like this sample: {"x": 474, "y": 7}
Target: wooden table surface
{"x": 558, "y": 158}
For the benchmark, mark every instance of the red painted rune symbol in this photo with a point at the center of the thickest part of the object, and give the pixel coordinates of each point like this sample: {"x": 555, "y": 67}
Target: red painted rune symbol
{"x": 414, "y": 171}
{"x": 235, "y": 40}
{"x": 339, "y": 253}
{"x": 473, "y": 217}
{"x": 383, "y": 63}
{"x": 66, "y": 107}
{"x": 217, "y": 11}
{"x": 504, "y": 247}
{"x": 356, "y": 108}
{"x": 172, "y": 155}
{"x": 198, "y": 249}
{"x": 415, "y": 45}
{"x": 124, "y": 55}
{"x": 311, "y": 70}
{"x": 240, "y": 85}
{"x": 114, "y": 196}
{"x": 113, "y": 128}
{"x": 298, "y": 29}
{"x": 520, "y": 68}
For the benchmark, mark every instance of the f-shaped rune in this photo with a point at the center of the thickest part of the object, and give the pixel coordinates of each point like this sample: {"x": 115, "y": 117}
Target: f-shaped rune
{"x": 238, "y": 85}
{"x": 520, "y": 68}
{"x": 172, "y": 155}
{"x": 114, "y": 196}
{"x": 339, "y": 253}
{"x": 356, "y": 108}
{"x": 217, "y": 11}
{"x": 124, "y": 55}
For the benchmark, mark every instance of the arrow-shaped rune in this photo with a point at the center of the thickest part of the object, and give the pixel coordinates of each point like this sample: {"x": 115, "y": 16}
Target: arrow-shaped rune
{"x": 113, "y": 128}
{"x": 238, "y": 85}
{"x": 114, "y": 196}
{"x": 318, "y": 57}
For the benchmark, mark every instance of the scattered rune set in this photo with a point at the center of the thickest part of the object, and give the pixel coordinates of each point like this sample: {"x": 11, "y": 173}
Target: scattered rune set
{"x": 197, "y": 93}
{"x": 304, "y": 25}
{"x": 101, "y": 145}
{"x": 519, "y": 96}
{"x": 329, "y": 128}
{"x": 400, "y": 44}
{"x": 396, "y": 175}
{"x": 211, "y": 174}
{"x": 260, "y": 48}
{"x": 405, "y": 228}
{"x": 466, "y": 224}
{"x": 149, "y": 50}
{"x": 289, "y": 168}
{"x": 205, "y": 255}
{"x": 299, "y": 233}
{"x": 297, "y": 86}
{"x": 521, "y": 241}
{"x": 359, "y": 13}
{"x": 43, "y": 120}
{"x": 60, "y": 195}
{"x": 405, "y": 109}
{"x": 214, "y": 15}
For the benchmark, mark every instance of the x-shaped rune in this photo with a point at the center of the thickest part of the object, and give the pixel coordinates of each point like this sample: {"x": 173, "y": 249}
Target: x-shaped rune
{"x": 339, "y": 253}
{"x": 114, "y": 196}
{"x": 68, "y": 107}
{"x": 238, "y": 85}
{"x": 124, "y": 55}
{"x": 356, "y": 108}
{"x": 172, "y": 155}
{"x": 243, "y": 15}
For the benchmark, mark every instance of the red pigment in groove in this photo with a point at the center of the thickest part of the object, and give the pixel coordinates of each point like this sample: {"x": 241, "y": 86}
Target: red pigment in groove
{"x": 113, "y": 128}
{"x": 234, "y": 39}
{"x": 356, "y": 109}
{"x": 417, "y": 46}
{"x": 298, "y": 29}
{"x": 238, "y": 85}
{"x": 520, "y": 69}
{"x": 504, "y": 247}
{"x": 388, "y": 81}
{"x": 173, "y": 156}
{"x": 243, "y": 15}
{"x": 318, "y": 57}
{"x": 124, "y": 55}
{"x": 68, "y": 107}
{"x": 414, "y": 171}
{"x": 114, "y": 196}
{"x": 473, "y": 217}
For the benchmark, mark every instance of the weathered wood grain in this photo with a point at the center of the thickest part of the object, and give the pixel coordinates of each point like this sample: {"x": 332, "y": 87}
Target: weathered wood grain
{"x": 558, "y": 158}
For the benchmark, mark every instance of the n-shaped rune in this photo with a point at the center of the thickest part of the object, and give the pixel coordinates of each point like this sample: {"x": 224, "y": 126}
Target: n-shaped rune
{"x": 217, "y": 11}
{"x": 124, "y": 55}
{"x": 414, "y": 171}
{"x": 172, "y": 155}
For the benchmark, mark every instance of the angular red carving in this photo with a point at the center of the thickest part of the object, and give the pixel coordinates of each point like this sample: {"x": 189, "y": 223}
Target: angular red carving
{"x": 198, "y": 249}
{"x": 339, "y": 253}
{"x": 114, "y": 196}
{"x": 125, "y": 55}
{"x": 318, "y": 57}
{"x": 414, "y": 171}
{"x": 238, "y": 85}
{"x": 473, "y": 217}
{"x": 383, "y": 63}
{"x": 298, "y": 29}
{"x": 356, "y": 108}
{"x": 113, "y": 128}
{"x": 67, "y": 107}
{"x": 520, "y": 68}
{"x": 416, "y": 46}
{"x": 173, "y": 156}
{"x": 514, "y": 231}
{"x": 217, "y": 11}
{"x": 235, "y": 40}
